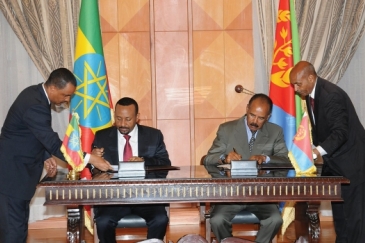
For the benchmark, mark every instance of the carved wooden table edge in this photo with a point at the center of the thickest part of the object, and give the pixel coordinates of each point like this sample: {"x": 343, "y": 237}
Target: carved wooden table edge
{"x": 194, "y": 190}
{"x": 309, "y": 190}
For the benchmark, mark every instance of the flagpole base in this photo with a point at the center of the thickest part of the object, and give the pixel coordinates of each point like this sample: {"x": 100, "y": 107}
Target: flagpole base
{"x": 73, "y": 175}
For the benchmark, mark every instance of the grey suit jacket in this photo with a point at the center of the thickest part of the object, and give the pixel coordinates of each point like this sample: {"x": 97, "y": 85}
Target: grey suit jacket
{"x": 269, "y": 141}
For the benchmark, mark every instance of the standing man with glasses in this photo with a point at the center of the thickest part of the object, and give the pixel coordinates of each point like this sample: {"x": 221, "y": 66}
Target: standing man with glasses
{"x": 27, "y": 144}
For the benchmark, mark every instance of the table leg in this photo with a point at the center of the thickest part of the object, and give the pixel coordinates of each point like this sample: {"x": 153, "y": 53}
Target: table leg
{"x": 307, "y": 224}
{"x": 75, "y": 224}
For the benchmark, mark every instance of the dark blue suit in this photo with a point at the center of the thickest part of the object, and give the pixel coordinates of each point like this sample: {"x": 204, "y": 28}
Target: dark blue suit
{"x": 338, "y": 130}
{"x": 152, "y": 148}
{"x": 26, "y": 140}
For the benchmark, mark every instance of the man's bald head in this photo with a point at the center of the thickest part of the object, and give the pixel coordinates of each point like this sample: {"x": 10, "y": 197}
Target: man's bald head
{"x": 303, "y": 77}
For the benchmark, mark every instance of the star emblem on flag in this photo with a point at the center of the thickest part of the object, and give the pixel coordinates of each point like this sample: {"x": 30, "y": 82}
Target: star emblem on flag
{"x": 91, "y": 97}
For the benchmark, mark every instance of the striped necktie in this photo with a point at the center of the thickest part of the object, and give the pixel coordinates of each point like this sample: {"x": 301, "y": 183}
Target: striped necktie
{"x": 252, "y": 140}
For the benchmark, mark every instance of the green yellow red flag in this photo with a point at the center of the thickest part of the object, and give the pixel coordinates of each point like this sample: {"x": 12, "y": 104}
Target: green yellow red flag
{"x": 71, "y": 145}
{"x": 92, "y": 99}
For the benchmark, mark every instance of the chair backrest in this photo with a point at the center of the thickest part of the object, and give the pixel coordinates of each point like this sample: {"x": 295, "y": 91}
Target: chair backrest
{"x": 235, "y": 240}
{"x": 151, "y": 241}
{"x": 192, "y": 238}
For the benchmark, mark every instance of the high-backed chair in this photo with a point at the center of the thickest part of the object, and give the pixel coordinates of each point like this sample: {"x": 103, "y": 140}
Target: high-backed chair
{"x": 151, "y": 241}
{"x": 235, "y": 240}
{"x": 128, "y": 222}
{"x": 192, "y": 238}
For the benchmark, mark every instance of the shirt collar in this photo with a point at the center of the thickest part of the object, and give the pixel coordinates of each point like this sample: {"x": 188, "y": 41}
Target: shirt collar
{"x": 314, "y": 90}
{"x": 44, "y": 89}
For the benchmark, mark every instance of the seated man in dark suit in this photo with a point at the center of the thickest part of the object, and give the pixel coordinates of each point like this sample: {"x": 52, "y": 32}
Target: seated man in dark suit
{"x": 250, "y": 137}
{"x": 129, "y": 141}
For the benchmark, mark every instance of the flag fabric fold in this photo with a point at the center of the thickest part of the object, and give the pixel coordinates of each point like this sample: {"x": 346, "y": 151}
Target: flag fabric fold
{"x": 71, "y": 144}
{"x": 92, "y": 98}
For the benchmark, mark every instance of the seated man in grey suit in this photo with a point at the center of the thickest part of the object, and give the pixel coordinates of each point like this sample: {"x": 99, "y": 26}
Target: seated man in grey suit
{"x": 129, "y": 141}
{"x": 251, "y": 137}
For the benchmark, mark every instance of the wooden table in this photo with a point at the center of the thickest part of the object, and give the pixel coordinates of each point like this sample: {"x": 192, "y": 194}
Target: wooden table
{"x": 192, "y": 184}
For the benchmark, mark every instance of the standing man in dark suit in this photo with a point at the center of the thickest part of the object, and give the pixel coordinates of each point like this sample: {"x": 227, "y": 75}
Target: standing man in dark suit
{"x": 233, "y": 143}
{"x": 339, "y": 138}
{"x": 26, "y": 141}
{"x": 146, "y": 145}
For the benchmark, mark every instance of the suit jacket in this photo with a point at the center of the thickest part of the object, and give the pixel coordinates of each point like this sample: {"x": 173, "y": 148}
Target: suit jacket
{"x": 150, "y": 146}
{"x": 26, "y": 140}
{"x": 269, "y": 141}
{"x": 338, "y": 130}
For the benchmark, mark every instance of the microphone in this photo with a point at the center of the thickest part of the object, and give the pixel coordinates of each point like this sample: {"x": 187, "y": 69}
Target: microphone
{"x": 240, "y": 89}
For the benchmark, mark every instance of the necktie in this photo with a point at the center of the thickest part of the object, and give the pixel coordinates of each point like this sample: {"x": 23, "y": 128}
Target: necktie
{"x": 312, "y": 103}
{"x": 127, "y": 153}
{"x": 252, "y": 140}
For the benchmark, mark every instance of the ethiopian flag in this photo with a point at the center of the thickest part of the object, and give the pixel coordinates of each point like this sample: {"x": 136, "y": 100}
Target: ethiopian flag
{"x": 71, "y": 145}
{"x": 92, "y": 100}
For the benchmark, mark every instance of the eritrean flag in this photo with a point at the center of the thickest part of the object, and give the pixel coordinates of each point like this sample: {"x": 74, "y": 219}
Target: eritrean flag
{"x": 92, "y": 100}
{"x": 281, "y": 91}
{"x": 287, "y": 109}
{"x": 300, "y": 154}
{"x": 71, "y": 145}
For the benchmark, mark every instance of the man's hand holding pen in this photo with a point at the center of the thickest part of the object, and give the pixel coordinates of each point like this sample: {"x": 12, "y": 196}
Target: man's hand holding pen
{"x": 233, "y": 155}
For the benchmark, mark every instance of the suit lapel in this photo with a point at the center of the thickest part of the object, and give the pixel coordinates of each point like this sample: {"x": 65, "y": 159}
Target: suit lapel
{"x": 261, "y": 139}
{"x": 310, "y": 112}
{"x": 241, "y": 137}
{"x": 113, "y": 144}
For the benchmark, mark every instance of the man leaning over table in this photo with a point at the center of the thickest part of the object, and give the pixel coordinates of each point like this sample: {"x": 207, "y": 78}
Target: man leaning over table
{"x": 27, "y": 142}
{"x": 233, "y": 142}
{"x": 146, "y": 145}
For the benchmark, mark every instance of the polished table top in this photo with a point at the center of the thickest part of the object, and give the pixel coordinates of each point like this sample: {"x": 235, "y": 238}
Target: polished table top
{"x": 193, "y": 184}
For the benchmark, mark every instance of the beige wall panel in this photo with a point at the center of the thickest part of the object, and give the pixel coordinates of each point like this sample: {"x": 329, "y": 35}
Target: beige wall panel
{"x": 239, "y": 69}
{"x": 207, "y": 14}
{"x": 108, "y": 15}
{"x": 171, "y": 15}
{"x": 177, "y": 139}
{"x": 221, "y": 60}
{"x": 135, "y": 70}
{"x": 148, "y": 123}
{"x": 111, "y": 46}
{"x": 209, "y": 74}
{"x": 205, "y": 132}
{"x": 237, "y": 14}
{"x": 172, "y": 75}
{"x": 133, "y": 15}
